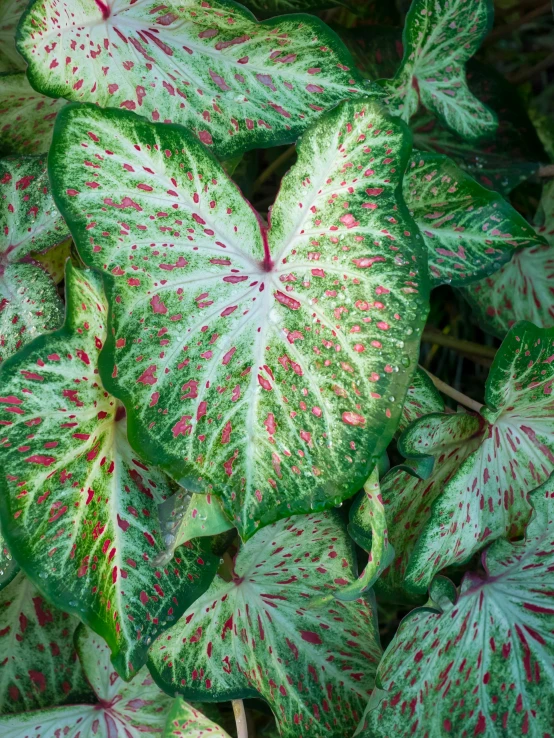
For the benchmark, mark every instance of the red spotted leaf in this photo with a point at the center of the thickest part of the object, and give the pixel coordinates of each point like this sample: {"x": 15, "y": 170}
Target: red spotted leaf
{"x": 185, "y": 721}
{"x": 422, "y": 398}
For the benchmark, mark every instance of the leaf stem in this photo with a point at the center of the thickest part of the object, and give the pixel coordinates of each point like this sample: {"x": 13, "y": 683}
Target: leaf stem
{"x": 275, "y": 164}
{"x": 449, "y": 391}
{"x": 240, "y": 718}
{"x": 458, "y": 344}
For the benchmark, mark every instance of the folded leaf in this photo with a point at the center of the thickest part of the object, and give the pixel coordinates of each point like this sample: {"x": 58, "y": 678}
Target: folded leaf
{"x": 184, "y": 721}
{"x": 469, "y": 230}
{"x": 238, "y": 84}
{"x": 439, "y": 37}
{"x": 487, "y": 497}
{"x": 10, "y": 13}
{"x": 483, "y": 666}
{"x": 267, "y": 367}
{"x": 421, "y": 399}
{"x": 39, "y": 664}
{"x": 258, "y": 635}
{"x": 115, "y": 710}
{"x": 86, "y": 529}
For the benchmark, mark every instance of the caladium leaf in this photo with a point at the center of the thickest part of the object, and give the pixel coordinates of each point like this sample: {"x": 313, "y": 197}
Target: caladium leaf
{"x": 422, "y": 399}
{"x": 114, "y": 710}
{"x": 258, "y": 635}
{"x": 8, "y": 565}
{"x": 469, "y": 230}
{"x": 185, "y": 721}
{"x": 267, "y": 367}
{"x": 439, "y": 37}
{"x": 377, "y": 50}
{"x": 86, "y": 530}
{"x": 10, "y": 13}
{"x": 238, "y": 84}
{"x": 484, "y": 665}
{"x": 523, "y": 288}
{"x": 434, "y": 447}
{"x": 487, "y": 497}
{"x": 29, "y": 222}
{"x": 53, "y": 261}
{"x": 40, "y": 667}
{"x": 26, "y": 116}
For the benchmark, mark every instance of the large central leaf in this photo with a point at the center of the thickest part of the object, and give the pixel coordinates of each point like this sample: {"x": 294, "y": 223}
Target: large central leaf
{"x": 266, "y": 366}
{"x": 79, "y": 509}
{"x": 261, "y": 634}
{"x": 238, "y": 84}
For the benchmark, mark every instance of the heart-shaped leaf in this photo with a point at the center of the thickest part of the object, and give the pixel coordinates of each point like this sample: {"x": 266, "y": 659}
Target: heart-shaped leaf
{"x": 261, "y": 634}
{"x": 114, "y": 710}
{"x": 86, "y": 530}
{"x": 469, "y": 230}
{"x": 439, "y": 37}
{"x": 484, "y": 665}
{"x": 523, "y": 288}
{"x": 185, "y": 721}
{"x": 10, "y": 13}
{"x": 29, "y": 222}
{"x": 39, "y": 664}
{"x": 26, "y": 116}
{"x": 238, "y": 84}
{"x": 421, "y": 399}
{"x": 487, "y": 497}
{"x": 268, "y": 367}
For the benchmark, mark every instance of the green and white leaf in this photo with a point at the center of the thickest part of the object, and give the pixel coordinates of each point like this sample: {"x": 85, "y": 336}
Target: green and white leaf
{"x": 236, "y": 83}
{"x": 26, "y": 116}
{"x": 38, "y": 663}
{"x": 422, "y": 399}
{"x": 487, "y": 497}
{"x": 469, "y": 230}
{"x": 10, "y": 13}
{"x": 29, "y": 222}
{"x": 86, "y": 530}
{"x": 439, "y": 37}
{"x": 268, "y": 367}
{"x": 185, "y": 721}
{"x": 115, "y": 710}
{"x": 523, "y": 289}
{"x": 261, "y": 634}
{"x": 484, "y": 665}
{"x": 8, "y": 565}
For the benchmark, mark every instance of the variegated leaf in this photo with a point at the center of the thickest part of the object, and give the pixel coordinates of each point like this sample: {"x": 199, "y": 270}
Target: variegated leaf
{"x": 262, "y": 635}
{"x": 484, "y": 665}
{"x": 10, "y": 13}
{"x": 487, "y": 497}
{"x": 434, "y": 447}
{"x": 469, "y": 230}
{"x": 53, "y": 261}
{"x": 268, "y": 367}
{"x": 29, "y": 222}
{"x": 210, "y": 66}
{"x": 8, "y": 565}
{"x": 421, "y": 399}
{"x": 114, "y": 710}
{"x": 523, "y": 289}
{"x": 38, "y": 663}
{"x": 439, "y": 37}
{"x": 26, "y": 116}
{"x": 86, "y": 530}
{"x": 185, "y": 721}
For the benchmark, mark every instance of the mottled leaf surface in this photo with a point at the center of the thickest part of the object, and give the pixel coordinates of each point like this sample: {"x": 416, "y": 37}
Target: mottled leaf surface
{"x": 185, "y": 721}
{"x": 10, "y": 13}
{"x": 266, "y": 366}
{"x": 53, "y": 261}
{"x": 26, "y": 116}
{"x": 114, "y": 710}
{"x": 439, "y": 37}
{"x": 469, "y": 230}
{"x": 422, "y": 398}
{"x": 8, "y": 565}
{"x": 257, "y": 635}
{"x": 484, "y": 665}
{"x": 487, "y": 497}
{"x": 210, "y": 66}
{"x": 38, "y": 663}
{"x": 86, "y": 529}
{"x": 29, "y": 222}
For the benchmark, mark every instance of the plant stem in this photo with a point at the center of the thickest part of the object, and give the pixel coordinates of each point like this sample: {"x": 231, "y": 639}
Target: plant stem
{"x": 240, "y": 718}
{"x": 507, "y": 29}
{"x": 458, "y": 344}
{"x": 446, "y": 389}
{"x": 275, "y": 164}
{"x": 546, "y": 171}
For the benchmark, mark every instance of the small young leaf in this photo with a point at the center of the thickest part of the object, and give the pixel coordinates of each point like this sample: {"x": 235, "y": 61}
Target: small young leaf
{"x": 86, "y": 529}
{"x": 27, "y": 117}
{"x": 257, "y": 635}
{"x": 469, "y": 230}
{"x": 483, "y": 667}
{"x": 487, "y": 497}
{"x": 10, "y": 13}
{"x": 184, "y": 721}
{"x": 39, "y": 665}
{"x": 267, "y": 367}
{"x": 439, "y": 37}
{"x": 236, "y": 83}
{"x": 114, "y": 710}
{"x": 422, "y": 399}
